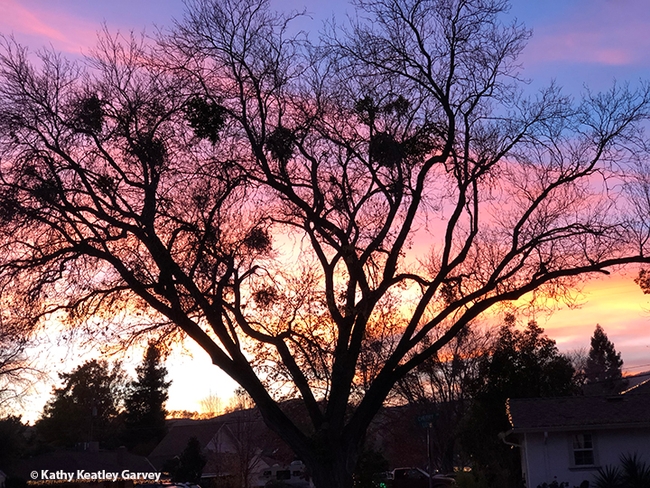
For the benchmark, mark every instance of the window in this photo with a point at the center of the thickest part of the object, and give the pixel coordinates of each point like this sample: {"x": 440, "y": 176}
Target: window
{"x": 284, "y": 474}
{"x": 583, "y": 450}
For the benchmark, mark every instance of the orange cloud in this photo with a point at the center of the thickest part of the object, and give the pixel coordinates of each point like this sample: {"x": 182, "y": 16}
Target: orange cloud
{"x": 619, "y": 306}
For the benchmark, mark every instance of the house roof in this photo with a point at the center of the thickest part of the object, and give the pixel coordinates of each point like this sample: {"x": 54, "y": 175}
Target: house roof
{"x": 179, "y": 435}
{"x": 244, "y": 429}
{"x": 543, "y": 414}
{"x": 639, "y": 388}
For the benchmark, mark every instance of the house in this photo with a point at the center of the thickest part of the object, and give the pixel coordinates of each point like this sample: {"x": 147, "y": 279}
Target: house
{"x": 267, "y": 470}
{"x": 568, "y": 439}
{"x": 235, "y": 444}
{"x": 217, "y": 442}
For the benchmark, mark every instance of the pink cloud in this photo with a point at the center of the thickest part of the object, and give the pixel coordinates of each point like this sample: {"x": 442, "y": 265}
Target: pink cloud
{"x": 606, "y": 33}
{"x": 18, "y": 18}
{"x": 583, "y": 47}
{"x": 41, "y": 27}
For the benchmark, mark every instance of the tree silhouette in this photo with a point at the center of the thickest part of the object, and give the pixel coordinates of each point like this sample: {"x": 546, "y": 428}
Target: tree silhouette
{"x": 16, "y": 371}
{"x": 262, "y": 196}
{"x": 86, "y": 408}
{"x": 520, "y": 364}
{"x": 603, "y": 371}
{"x": 211, "y": 406}
{"x": 244, "y": 422}
{"x": 144, "y": 404}
{"x": 14, "y": 440}
{"x": 187, "y": 467}
{"x": 445, "y": 384}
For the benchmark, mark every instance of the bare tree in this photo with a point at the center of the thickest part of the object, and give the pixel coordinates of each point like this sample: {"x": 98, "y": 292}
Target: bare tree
{"x": 261, "y": 195}
{"x": 578, "y": 358}
{"x": 443, "y": 388}
{"x": 16, "y": 373}
{"x": 447, "y": 375}
{"x": 211, "y": 406}
{"x": 246, "y": 425}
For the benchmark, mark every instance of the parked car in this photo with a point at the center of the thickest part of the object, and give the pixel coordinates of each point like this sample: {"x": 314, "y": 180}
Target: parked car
{"x": 418, "y": 478}
{"x": 383, "y": 479}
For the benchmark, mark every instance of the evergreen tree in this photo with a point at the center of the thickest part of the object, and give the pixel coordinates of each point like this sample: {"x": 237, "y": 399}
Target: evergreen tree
{"x": 87, "y": 407}
{"x": 188, "y": 467}
{"x": 145, "y": 403}
{"x": 525, "y": 364}
{"x": 522, "y": 363}
{"x": 13, "y": 442}
{"x": 603, "y": 372}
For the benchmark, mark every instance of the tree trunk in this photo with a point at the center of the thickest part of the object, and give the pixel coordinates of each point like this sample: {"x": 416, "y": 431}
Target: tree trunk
{"x": 334, "y": 467}
{"x": 330, "y": 457}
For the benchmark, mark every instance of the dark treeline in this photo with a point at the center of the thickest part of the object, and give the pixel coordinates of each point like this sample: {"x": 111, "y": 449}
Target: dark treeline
{"x": 97, "y": 403}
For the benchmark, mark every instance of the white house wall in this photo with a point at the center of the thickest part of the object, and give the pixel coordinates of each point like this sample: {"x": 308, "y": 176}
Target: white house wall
{"x": 548, "y": 456}
{"x": 222, "y": 442}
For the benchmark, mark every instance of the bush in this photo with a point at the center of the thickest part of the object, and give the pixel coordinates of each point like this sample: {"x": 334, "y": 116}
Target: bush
{"x": 554, "y": 484}
{"x": 468, "y": 479}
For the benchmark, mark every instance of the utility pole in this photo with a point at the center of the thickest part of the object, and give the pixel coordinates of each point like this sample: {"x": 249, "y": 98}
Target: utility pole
{"x": 429, "y": 454}
{"x": 427, "y": 421}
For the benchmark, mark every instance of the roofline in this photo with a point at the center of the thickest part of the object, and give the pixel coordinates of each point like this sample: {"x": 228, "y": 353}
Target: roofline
{"x": 575, "y": 427}
{"x": 631, "y": 389}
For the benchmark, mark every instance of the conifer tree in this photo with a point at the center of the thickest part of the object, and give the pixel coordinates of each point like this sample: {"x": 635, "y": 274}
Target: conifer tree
{"x": 603, "y": 372}
{"x": 188, "y": 467}
{"x": 86, "y": 408}
{"x": 145, "y": 403}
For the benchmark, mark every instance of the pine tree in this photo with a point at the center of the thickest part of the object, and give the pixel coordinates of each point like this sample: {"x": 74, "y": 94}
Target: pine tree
{"x": 603, "y": 372}
{"x": 145, "y": 404}
{"x": 188, "y": 467}
{"x": 86, "y": 408}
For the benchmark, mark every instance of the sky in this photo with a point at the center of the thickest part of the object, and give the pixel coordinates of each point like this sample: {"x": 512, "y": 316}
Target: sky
{"x": 576, "y": 43}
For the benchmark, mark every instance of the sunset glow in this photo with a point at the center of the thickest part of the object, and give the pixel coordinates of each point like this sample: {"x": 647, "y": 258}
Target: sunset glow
{"x": 601, "y": 40}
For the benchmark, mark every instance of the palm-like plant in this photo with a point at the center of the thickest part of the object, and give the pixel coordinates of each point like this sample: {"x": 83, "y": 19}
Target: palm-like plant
{"x": 609, "y": 477}
{"x": 636, "y": 474}
{"x": 633, "y": 473}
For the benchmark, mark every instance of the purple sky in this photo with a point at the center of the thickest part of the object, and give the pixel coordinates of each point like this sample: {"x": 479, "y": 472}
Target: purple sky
{"x": 575, "y": 42}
